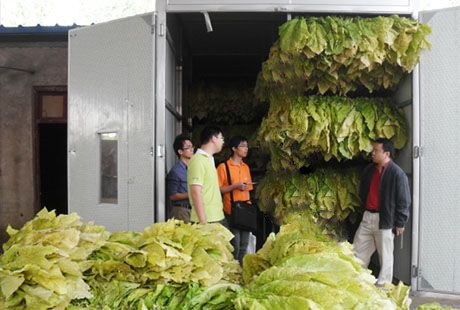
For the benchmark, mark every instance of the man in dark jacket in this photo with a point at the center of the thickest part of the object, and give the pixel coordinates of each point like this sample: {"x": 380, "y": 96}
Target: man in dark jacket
{"x": 385, "y": 196}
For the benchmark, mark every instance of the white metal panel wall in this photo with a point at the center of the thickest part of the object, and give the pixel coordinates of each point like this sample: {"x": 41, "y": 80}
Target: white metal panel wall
{"x": 439, "y": 239}
{"x": 140, "y": 126}
{"x": 329, "y": 6}
{"x": 353, "y": 2}
{"x": 171, "y": 125}
{"x": 111, "y": 89}
{"x": 233, "y": 2}
{"x": 300, "y": 2}
{"x": 167, "y": 97}
{"x": 171, "y": 100}
{"x": 161, "y": 46}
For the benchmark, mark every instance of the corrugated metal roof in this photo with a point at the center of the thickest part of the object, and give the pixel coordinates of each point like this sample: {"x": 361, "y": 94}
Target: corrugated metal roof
{"x": 37, "y": 29}
{"x": 35, "y": 33}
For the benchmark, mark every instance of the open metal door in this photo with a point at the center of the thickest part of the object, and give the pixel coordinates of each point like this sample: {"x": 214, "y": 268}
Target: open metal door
{"x": 110, "y": 123}
{"x": 437, "y": 268}
{"x": 168, "y": 102}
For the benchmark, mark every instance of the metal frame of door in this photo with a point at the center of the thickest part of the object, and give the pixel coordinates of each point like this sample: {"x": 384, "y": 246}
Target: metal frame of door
{"x": 423, "y": 152}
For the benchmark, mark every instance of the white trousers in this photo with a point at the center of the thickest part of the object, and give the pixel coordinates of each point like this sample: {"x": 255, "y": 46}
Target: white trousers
{"x": 369, "y": 238}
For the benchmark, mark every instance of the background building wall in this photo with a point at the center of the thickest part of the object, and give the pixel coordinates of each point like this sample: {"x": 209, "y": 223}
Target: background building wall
{"x": 48, "y": 61}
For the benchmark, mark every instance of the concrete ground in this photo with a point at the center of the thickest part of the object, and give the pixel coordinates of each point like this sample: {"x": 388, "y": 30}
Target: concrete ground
{"x": 444, "y": 300}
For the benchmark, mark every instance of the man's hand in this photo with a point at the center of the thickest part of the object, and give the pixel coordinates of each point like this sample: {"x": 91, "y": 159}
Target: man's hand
{"x": 399, "y": 231}
{"x": 178, "y": 196}
{"x": 241, "y": 186}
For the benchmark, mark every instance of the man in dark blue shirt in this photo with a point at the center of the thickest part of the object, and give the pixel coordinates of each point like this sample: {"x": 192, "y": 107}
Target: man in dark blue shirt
{"x": 177, "y": 180}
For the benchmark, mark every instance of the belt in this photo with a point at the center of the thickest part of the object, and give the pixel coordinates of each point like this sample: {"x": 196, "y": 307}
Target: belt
{"x": 372, "y": 211}
{"x": 186, "y": 206}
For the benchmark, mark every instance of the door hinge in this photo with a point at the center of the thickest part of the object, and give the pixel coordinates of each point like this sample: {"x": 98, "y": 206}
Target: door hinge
{"x": 160, "y": 151}
{"x": 416, "y": 271}
{"x": 417, "y": 151}
{"x": 151, "y": 151}
{"x": 154, "y": 24}
{"x": 161, "y": 31}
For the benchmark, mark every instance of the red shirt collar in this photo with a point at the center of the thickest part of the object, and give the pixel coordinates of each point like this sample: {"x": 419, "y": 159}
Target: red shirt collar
{"x": 383, "y": 167}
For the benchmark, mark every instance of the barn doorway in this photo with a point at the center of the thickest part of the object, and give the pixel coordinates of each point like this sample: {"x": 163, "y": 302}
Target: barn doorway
{"x": 51, "y": 149}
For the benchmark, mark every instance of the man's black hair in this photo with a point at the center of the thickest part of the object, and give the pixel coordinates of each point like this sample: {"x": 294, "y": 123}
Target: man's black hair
{"x": 208, "y": 132}
{"x": 387, "y": 146}
{"x": 235, "y": 141}
{"x": 179, "y": 143}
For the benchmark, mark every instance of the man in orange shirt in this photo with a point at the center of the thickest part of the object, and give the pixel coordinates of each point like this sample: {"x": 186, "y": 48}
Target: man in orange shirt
{"x": 241, "y": 184}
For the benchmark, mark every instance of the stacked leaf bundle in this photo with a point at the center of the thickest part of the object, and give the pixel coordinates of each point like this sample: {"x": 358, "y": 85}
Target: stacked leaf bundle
{"x": 328, "y": 127}
{"x": 169, "y": 252}
{"x": 57, "y": 262}
{"x": 169, "y": 265}
{"x": 323, "y": 198}
{"x": 43, "y": 263}
{"x": 339, "y": 55}
{"x": 300, "y": 268}
{"x": 130, "y": 295}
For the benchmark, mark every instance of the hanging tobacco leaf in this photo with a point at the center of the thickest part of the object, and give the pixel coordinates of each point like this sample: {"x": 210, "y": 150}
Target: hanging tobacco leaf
{"x": 225, "y": 103}
{"x": 338, "y": 55}
{"x": 298, "y": 129}
{"x": 324, "y": 198}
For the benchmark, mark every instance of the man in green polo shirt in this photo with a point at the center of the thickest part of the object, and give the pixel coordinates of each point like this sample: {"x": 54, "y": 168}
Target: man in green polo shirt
{"x": 202, "y": 181}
